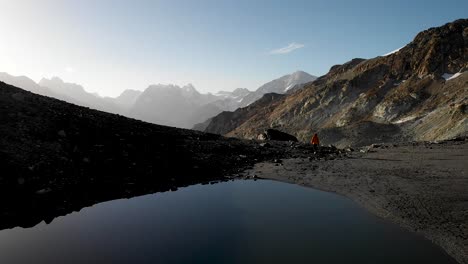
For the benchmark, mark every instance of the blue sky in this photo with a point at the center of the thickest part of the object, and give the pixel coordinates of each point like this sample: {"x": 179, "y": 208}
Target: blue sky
{"x": 108, "y": 46}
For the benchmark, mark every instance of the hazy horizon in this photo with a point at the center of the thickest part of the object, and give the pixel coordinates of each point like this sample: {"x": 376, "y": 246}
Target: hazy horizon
{"x": 110, "y": 46}
{"x": 142, "y": 89}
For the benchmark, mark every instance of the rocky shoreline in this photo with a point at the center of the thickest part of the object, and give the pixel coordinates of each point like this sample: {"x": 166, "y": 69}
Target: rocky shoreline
{"x": 420, "y": 186}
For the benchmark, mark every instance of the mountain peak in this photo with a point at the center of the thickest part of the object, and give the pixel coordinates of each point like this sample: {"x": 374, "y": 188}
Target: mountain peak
{"x": 281, "y": 85}
{"x": 239, "y": 91}
{"x": 299, "y": 72}
{"x": 189, "y": 88}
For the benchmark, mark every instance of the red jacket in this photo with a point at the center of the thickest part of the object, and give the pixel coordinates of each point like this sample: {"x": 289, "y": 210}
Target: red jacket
{"x": 315, "y": 140}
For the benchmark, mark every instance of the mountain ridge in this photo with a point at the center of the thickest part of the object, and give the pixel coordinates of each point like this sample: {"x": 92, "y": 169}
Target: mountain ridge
{"x": 375, "y": 93}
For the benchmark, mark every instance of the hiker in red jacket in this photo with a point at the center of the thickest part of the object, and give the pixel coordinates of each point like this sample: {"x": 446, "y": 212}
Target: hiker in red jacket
{"x": 315, "y": 141}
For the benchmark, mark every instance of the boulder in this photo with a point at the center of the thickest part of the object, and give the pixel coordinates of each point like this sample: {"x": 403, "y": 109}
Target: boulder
{"x": 273, "y": 134}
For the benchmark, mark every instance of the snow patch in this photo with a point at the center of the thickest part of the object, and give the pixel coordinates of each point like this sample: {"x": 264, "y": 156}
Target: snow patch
{"x": 449, "y": 76}
{"x": 405, "y": 119}
{"x": 289, "y": 87}
{"x": 392, "y": 52}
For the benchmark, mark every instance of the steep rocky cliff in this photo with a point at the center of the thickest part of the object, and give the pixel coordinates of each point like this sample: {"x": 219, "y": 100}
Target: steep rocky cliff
{"x": 417, "y": 93}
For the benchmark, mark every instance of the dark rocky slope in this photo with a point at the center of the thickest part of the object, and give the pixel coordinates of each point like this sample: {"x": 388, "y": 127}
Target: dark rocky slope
{"x": 407, "y": 95}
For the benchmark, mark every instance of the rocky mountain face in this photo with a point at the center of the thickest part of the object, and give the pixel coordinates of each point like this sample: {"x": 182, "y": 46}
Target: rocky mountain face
{"x": 417, "y": 93}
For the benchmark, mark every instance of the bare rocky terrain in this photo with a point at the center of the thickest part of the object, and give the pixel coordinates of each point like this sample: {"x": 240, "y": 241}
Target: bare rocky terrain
{"x": 420, "y": 186}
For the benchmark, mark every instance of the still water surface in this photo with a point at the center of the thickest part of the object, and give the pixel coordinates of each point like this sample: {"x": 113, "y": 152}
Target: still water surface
{"x": 231, "y": 222}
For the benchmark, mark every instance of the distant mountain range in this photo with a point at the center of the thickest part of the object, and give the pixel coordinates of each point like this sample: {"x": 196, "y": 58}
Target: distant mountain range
{"x": 69, "y": 92}
{"x": 25, "y": 83}
{"x": 160, "y": 104}
{"x": 418, "y": 92}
